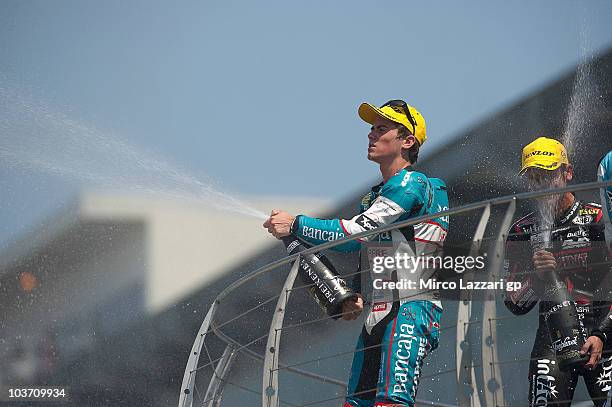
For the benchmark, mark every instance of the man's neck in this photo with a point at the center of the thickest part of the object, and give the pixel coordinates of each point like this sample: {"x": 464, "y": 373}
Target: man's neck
{"x": 391, "y": 168}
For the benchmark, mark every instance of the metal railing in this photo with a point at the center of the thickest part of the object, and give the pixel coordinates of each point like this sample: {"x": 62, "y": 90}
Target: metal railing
{"x": 467, "y": 393}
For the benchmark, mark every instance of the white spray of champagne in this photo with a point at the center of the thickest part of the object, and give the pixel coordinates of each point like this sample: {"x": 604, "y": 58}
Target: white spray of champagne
{"x": 36, "y": 138}
{"x": 585, "y": 102}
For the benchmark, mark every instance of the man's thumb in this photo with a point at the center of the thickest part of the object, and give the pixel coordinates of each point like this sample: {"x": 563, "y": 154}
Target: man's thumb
{"x": 585, "y": 348}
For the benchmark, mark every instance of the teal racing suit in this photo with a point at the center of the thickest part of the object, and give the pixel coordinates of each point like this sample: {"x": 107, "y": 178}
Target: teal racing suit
{"x": 402, "y": 324}
{"x": 604, "y": 173}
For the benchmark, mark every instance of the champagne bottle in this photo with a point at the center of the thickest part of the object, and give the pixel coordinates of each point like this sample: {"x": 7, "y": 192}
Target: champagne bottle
{"x": 325, "y": 285}
{"x": 567, "y": 332}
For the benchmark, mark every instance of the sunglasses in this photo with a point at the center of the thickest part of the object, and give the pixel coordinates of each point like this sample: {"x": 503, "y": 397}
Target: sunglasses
{"x": 404, "y": 106}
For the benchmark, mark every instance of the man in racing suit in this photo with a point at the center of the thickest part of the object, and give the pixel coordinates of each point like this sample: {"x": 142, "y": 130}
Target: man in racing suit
{"x": 402, "y": 325}
{"x": 604, "y": 173}
{"x": 576, "y": 252}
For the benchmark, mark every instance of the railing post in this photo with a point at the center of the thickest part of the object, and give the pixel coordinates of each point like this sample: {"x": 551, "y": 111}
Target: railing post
{"x": 217, "y": 382}
{"x": 187, "y": 387}
{"x": 269, "y": 394}
{"x": 467, "y": 394}
{"x": 493, "y": 386}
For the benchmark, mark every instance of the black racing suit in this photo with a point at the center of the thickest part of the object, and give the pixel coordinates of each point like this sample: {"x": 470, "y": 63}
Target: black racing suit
{"x": 582, "y": 262}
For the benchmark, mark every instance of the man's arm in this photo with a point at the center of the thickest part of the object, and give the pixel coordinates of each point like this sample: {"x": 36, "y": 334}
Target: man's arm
{"x": 604, "y": 329}
{"x": 392, "y": 204}
{"x": 602, "y": 305}
{"x": 312, "y": 230}
{"x": 602, "y": 311}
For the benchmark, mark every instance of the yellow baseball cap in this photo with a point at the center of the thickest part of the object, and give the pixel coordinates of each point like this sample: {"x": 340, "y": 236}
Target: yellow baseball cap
{"x": 545, "y": 153}
{"x": 399, "y": 112}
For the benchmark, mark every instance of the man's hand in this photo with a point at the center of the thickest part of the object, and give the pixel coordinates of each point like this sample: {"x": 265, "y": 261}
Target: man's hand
{"x": 351, "y": 308}
{"x": 279, "y": 223}
{"x": 544, "y": 263}
{"x": 594, "y": 346}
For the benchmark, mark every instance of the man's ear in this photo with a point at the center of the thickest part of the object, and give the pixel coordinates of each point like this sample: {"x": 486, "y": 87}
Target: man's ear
{"x": 408, "y": 142}
{"x": 569, "y": 172}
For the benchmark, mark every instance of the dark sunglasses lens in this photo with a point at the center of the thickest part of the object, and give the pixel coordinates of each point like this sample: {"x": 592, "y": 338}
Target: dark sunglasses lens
{"x": 405, "y": 108}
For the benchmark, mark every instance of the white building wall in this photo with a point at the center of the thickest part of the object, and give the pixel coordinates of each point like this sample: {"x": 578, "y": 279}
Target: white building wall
{"x": 188, "y": 244}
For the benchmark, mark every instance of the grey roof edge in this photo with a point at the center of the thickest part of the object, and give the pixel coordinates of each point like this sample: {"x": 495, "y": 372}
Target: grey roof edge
{"x": 44, "y": 230}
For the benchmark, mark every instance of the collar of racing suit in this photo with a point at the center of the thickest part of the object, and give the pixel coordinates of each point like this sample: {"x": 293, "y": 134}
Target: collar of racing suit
{"x": 567, "y": 215}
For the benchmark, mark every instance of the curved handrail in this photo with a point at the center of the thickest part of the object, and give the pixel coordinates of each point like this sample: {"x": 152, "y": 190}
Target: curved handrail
{"x": 412, "y": 221}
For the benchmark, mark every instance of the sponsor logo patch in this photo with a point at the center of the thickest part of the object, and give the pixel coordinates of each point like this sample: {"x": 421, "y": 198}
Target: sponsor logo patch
{"x": 365, "y": 201}
{"x": 292, "y": 246}
{"x": 543, "y": 384}
{"x": 604, "y": 381}
{"x": 406, "y": 179}
{"x": 320, "y": 234}
{"x": 573, "y": 260}
{"x": 551, "y": 165}
{"x": 539, "y": 152}
{"x": 580, "y": 233}
{"x": 366, "y": 223}
{"x": 575, "y": 239}
{"x": 582, "y": 220}
{"x": 563, "y": 343}
{"x": 381, "y": 306}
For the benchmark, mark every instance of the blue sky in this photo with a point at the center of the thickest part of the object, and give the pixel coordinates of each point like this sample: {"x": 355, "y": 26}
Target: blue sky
{"x": 261, "y": 97}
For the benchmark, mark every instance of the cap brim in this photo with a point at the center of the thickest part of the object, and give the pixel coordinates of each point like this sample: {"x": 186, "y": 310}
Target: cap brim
{"x": 369, "y": 113}
{"x": 553, "y": 165}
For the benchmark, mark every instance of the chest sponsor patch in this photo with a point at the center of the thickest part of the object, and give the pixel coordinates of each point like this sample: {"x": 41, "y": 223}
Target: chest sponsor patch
{"x": 379, "y": 306}
{"x": 582, "y": 220}
{"x": 588, "y": 211}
